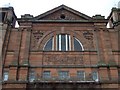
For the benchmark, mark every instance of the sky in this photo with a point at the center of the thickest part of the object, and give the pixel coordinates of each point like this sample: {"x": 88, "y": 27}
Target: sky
{"x": 37, "y": 7}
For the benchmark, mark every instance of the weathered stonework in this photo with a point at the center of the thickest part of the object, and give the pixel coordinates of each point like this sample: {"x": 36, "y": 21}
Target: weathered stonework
{"x": 22, "y": 50}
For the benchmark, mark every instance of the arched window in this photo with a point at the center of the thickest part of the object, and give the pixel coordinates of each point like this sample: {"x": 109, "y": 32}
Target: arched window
{"x": 48, "y": 45}
{"x": 77, "y": 45}
{"x": 63, "y": 43}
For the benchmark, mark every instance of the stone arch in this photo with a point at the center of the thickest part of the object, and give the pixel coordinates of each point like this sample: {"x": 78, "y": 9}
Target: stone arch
{"x": 50, "y": 34}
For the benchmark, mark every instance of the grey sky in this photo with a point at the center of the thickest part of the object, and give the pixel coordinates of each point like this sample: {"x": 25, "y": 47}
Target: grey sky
{"x": 37, "y": 7}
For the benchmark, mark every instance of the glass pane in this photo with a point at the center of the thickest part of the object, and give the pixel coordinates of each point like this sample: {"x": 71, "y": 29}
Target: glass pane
{"x": 95, "y": 76}
{"x": 77, "y": 46}
{"x": 59, "y": 39}
{"x": 5, "y": 76}
{"x": 46, "y": 74}
{"x": 63, "y": 74}
{"x": 63, "y": 43}
{"x": 32, "y": 76}
{"x": 48, "y": 46}
{"x": 68, "y": 42}
{"x": 81, "y": 75}
{"x": 2, "y": 16}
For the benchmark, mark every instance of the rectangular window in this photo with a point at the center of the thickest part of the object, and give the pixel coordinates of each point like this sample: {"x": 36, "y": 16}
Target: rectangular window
{"x": 46, "y": 74}
{"x": 5, "y": 76}
{"x": 95, "y": 75}
{"x": 31, "y": 76}
{"x": 63, "y": 74}
{"x": 81, "y": 75}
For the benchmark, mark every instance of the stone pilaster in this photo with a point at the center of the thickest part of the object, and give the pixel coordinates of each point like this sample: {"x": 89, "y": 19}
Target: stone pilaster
{"x": 23, "y": 74}
{"x": 103, "y": 74}
{"x": 15, "y": 61}
{"x": 25, "y": 45}
{"x": 12, "y": 73}
{"x": 99, "y": 46}
{"x": 24, "y": 52}
{"x": 114, "y": 74}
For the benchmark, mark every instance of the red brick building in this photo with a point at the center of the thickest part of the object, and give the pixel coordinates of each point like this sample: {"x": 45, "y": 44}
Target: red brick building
{"x": 60, "y": 49}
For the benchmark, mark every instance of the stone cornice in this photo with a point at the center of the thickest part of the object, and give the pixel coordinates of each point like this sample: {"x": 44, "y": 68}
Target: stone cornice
{"x": 64, "y": 21}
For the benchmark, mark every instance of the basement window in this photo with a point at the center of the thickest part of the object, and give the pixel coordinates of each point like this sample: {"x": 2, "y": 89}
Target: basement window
{"x": 31, "y": 76}
{"x": 95, "y": 75}
{"x": 46, "y": 74}
{"x": 5, "y": 76}
{"x": 63, "y": 74}
{"x": 81, "y": 75}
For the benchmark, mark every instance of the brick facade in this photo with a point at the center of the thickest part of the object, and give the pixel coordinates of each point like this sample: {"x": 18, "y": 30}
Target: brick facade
{"x": 23, "y": 50}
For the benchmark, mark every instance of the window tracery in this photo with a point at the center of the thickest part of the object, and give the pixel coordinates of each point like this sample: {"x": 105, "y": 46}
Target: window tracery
{"x": 63, "y": 43}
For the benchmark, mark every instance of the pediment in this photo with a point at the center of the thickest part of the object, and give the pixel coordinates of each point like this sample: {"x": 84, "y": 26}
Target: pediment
{"x": 62, "y": 13}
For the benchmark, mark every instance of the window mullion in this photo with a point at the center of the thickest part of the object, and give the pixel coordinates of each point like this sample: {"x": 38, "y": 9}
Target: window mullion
{"x": 66, "y": 39}
{"x": 60, "y": 42}
{"x": 52, "y": 43}
{"x": 69, "y": 43}
{"x": 56, "y": 42}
